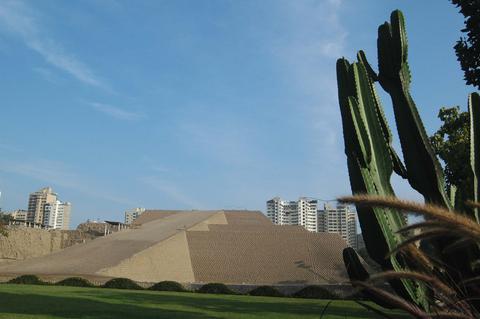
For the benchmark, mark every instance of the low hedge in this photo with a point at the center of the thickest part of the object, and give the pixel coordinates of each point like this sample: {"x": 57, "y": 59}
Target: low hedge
{"x": 27, "y": 280}
{"x": 315, "y": 292}
{"x": 267, "y": 291}
{"x": 168, "y": 286}
{"x": 75, "y": 282}
{"x": 122, "y": 283}
{"x": 216, "y": 288}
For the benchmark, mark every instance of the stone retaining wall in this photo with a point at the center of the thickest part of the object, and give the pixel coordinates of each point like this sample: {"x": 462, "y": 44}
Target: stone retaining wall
{"x": 23, "y": 242}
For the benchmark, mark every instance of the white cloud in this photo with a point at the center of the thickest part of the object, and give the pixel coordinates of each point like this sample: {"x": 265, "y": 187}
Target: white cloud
{"x": 159, "y": 169}
{"x": 116, "y": 112}
{"x": 173, "y": 192}
{"x": 223, "y": 140}
{"x": 316, "y": 39}
{"x": 335, "y": 3}
{"x": 154, "y": 164}
{"x": 57, "y": 174}
{"x": 18, "y": 19}
{"x": 106, "y": 5}
{"x": 8, "y": 147}
{"x": 308, "y": 54}
{"x": 47, "y": 74}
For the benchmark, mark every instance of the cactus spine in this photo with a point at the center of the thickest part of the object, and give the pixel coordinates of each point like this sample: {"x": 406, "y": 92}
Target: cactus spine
{"x": 474, "y": 110}
{"x": 371, "y": 158}
{"x": 424, "y": 172}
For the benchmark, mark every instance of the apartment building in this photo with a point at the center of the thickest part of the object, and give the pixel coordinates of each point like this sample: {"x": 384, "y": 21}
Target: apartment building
{"x": 133, "y": 214}
{"x": 44, "y": 208}
{"x": 37, "y": 202}
{"x": 301, "y": 212}
{"x": 341, "y": 220}
{"x": 57, "y": 215}
{"x": 307, "y": 213}
{"x": 19, "y": 214}
{"x": 282, "y": 212}
{"x": 274, "y": 206}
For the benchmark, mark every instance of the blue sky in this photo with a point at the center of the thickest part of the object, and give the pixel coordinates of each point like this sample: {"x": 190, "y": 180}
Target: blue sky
{"x": 195, "y": 104}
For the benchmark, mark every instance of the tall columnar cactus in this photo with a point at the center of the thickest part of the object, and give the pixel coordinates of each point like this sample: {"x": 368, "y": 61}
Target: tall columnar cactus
{"x": 371, "y": 158}
{"x": 371, "y": 161}
{"x": 474, "y": 110}
{"x": 424, "y": 172}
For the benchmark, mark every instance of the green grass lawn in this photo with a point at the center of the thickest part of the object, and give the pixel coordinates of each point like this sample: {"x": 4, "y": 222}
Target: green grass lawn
{"x": 26, "y": 301}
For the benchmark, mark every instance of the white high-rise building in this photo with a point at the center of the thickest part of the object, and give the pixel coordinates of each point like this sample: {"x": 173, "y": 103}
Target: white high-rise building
{"x": 289, "y": 213}
{"x": 308, "y": 217}
{"x": 133, "y": 214}
{"x": 57, "y": 215}
{"x": 302, "y": 212}
{"x": 273, "y": 208}
{"x": 282, "y": 212}
{"x": 341, "y": 220}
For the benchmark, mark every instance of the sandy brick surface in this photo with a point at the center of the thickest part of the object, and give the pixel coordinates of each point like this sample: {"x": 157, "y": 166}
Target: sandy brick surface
{"x": 227, "y": 246}
{"x": 255, "y": 228}
{"x": 235, "y": 217}
{"x": 108, "y": 251}
{"x": 216, "y": 219}
{"x": 267, "y": 257}
{"x": 167, "y": 260}
{"x": 151, "y": 215}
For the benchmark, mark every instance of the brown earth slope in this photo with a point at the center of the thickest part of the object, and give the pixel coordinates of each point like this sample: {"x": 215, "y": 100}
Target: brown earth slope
{"x": 104, "y": 252}
{"x": 200, "y": 246}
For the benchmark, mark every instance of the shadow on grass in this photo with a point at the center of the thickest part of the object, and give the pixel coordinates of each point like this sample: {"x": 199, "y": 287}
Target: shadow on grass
{"x": 111, "y": 303}
{"x": 71, "y": 307}
{"x": 266, "y": 307}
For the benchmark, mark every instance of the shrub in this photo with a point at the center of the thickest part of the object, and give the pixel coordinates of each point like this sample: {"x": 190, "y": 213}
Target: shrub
{"x": 168, "y": 286}
{"x": 216, "y": 288}
{"x": 315, "y": 292}
{"x": 27, "y": 280}
{"x": 75, "y": 282}
{"x": 267, "y": 291}
{"x": 122, "y": 283}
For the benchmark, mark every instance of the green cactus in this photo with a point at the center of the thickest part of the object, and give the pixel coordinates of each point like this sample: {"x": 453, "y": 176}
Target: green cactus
{"x": 424, "y": 172}
{"x": 371, "y": 160}
{"x": 474, "y": 110}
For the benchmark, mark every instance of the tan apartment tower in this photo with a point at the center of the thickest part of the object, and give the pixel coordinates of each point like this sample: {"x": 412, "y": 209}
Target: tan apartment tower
{"x": 37, "y": 202}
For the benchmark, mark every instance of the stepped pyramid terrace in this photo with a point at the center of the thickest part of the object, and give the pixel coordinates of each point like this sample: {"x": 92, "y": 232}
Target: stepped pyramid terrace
{"x": 229, "y": 246}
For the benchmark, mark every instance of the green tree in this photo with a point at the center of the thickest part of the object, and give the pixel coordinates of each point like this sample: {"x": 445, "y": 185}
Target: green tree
{"x": 451, "y": 144}
{"x": 4, "y": 218}
{"x": 468, "y": 48}
{"x": 451, "y": 141}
